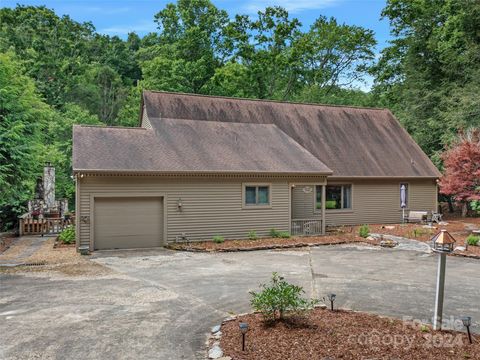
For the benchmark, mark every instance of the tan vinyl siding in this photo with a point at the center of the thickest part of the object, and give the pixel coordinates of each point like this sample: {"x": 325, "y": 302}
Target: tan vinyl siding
{"x": 210, "y": 205}
{"x": 378, "y": 201}
{"x": 303, "y": 202}
{"x": 373, "y": 201}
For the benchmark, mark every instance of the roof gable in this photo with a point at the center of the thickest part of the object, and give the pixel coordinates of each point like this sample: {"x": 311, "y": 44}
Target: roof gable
{"x": 352, "y": 141}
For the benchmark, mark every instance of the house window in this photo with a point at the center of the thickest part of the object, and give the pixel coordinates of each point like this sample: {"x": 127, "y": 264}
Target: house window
{"x": 257, "y": 195}
{"x": 403, "y": 195}
{"x": 337, "y": 197}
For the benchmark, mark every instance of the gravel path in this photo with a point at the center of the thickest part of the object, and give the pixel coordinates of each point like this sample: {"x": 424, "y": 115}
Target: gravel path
{"x": 406, "y": 243}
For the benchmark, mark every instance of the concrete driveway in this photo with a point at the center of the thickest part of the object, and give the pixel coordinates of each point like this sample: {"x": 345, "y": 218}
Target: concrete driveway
{"x": 160, "y": 304}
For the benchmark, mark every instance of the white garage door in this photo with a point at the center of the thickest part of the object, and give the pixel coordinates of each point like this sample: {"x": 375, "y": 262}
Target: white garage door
{"x": 129, "y": 222}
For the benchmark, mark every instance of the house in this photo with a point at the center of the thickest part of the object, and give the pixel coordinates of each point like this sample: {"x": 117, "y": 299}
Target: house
{"x": 199, "y": 166}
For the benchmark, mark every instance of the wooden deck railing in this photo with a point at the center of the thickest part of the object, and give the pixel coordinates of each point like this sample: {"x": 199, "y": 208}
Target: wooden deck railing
{"x": 30, "y": 226}
{"x": 306, "y": 227}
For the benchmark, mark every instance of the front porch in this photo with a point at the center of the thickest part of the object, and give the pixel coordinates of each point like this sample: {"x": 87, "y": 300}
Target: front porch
{"x": 307, "y": 211}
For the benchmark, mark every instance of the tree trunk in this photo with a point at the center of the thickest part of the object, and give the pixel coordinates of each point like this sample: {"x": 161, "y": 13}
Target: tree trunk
{"x": 464, "y": 209}
{"x": 450, "y": 205}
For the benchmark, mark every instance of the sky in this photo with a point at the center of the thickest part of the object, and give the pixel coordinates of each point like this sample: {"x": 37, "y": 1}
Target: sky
{"x": 119, "y": 17}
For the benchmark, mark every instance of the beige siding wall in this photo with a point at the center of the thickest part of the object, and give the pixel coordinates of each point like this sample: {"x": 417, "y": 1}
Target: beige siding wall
{"x": 303, "y": 202}
{"x": 214, "y": 205}
{"x": 210, "y": 206}
{"x": 373, "y": 201}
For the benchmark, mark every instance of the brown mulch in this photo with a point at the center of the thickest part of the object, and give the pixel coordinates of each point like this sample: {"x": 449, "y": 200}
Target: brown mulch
{"x": 456, "y": 227}
{"x": 339, "y": 237}
{"x": 342, "y": 334}
{"x": 5, "y": 242}
{"x": 343, "y": 235}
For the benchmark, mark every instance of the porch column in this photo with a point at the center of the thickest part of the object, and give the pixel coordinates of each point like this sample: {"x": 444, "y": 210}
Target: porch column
{"x": 324, "y": 194}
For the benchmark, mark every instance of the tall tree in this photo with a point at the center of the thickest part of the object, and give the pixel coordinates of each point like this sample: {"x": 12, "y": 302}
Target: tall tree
{"x": 23, "y": 117}
{"x": 425, "y": 73}
{"x": 184, "y": 55}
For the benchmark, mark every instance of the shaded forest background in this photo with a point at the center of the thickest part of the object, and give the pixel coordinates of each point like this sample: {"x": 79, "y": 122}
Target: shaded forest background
{"x": 56, "y": 72}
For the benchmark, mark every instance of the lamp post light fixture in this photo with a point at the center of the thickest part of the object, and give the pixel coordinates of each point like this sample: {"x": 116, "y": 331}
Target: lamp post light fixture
{"x": 243, "y": 328}
{"x": 467, "y": 321}
{"x": 331, "y": 298}
{"x": 443, "y": 244}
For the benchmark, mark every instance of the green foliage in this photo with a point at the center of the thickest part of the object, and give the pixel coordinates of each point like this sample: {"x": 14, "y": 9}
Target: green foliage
{"x": 330, "y": 204}
{"x": 279, "y": 299}
{"x": 473, "y": 240}
{"x": 475, "y": 206}
{"x": 364, "y": 231}
{"x": 217, "y": 239}
{"x": 429, "y": 74}
{"x": 284, "y": 234}
{"x": 274, "y": 233}
{"x": 252, "y": 235}
{"x": 67, "y": 236}
{"x": 23, "y": 118}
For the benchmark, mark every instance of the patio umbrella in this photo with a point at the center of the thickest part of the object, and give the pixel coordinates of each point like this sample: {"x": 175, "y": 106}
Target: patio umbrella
{"x": 403, "y": 200}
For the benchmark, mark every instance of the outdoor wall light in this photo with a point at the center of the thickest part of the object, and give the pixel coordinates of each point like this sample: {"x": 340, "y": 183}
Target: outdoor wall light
{"x": 331, "y": 298}
{"x": 467, "y": 321}
{"x": 179, "y": 204}
{"x": 243, "y": 328}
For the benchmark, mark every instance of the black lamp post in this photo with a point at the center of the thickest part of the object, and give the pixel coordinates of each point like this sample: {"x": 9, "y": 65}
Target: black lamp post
{"x": 331, "y": 298}
{"x": 243, "y": 328}
{"x": 467, "y": 321}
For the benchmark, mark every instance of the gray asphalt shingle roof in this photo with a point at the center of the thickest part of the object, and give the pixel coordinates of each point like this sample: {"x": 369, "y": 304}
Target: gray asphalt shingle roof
{"x": 189, "y": 146}
{"x": 353, "y": 142}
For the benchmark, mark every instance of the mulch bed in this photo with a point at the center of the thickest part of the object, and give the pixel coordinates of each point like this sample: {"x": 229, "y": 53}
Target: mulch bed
{"x": 456, "y": 227}
{"x": 342, "y": 334}
{"x": 5, "y": 242}
{"x": 343, "y": 235}
{"x": 274, "y": 243}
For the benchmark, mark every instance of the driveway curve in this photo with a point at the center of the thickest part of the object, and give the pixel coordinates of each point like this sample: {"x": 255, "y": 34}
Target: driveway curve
{"x": 160, "y": 304}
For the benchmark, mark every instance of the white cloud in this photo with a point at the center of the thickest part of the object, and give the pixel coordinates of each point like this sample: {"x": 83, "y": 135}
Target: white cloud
{"x": 141, "y": 27}
{"x": 292, "y": 6}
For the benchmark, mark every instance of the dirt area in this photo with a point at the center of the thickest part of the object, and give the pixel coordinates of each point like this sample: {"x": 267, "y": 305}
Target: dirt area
{"x": 339, "y": 237}
{"x": 341, "y": 334}
{"x": 65, "y": 260}
{"x": 5, "y": 242}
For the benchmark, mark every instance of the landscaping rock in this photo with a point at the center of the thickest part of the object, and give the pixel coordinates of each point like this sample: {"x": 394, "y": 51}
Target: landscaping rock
{"x": 460, "y": 248}
{"x": 215, "y": 329}
{"x": 215, "y": 352}
{"x": 225, "y": 358}
{"x": 388, "y": 243}
{"x": 217, "y": 335}
{"x": 389, "y": 227}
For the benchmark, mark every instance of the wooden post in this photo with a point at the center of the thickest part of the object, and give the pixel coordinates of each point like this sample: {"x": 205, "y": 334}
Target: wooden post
{"x": 437, "y": 318}
{"x": 324, "y": 195}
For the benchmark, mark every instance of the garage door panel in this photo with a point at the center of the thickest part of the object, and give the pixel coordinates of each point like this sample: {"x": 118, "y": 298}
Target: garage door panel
{"x": 129, "y": 222}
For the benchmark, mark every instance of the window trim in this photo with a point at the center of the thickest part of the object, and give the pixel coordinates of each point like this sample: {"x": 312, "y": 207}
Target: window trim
{"x": 342, "y": 210}
{"x": 256, "y": 206}
{"x": 408, "y": 195}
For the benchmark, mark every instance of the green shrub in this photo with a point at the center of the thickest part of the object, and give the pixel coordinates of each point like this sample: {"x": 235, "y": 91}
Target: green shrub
{"x": 217, "y": 239}
{"x": 252, "y": 235}
{"x": 284, "y": 234}
{"x": 279, "y": 299}
{"x": 473, "y": 240}
{"x": 274, "y": 233}
{"x": 67, "y": 236}
{"x": 364, "y": 231}
{"x": 330, "y": 204}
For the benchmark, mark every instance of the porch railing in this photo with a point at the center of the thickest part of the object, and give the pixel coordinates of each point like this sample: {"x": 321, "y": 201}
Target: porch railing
{"x": 30, "y": 226}
{"x": 306, "y": 227}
